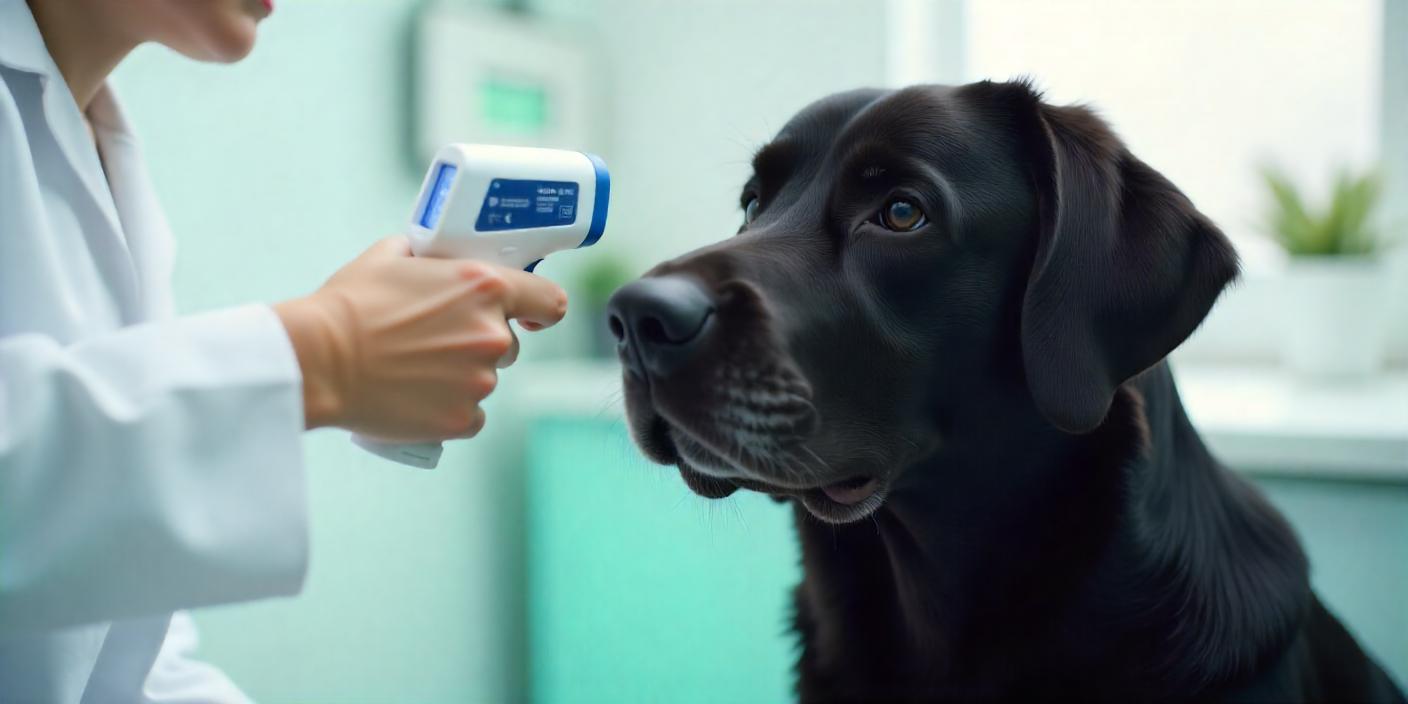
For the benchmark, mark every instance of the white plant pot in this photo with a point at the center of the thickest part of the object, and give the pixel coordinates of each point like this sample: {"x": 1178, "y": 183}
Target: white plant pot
{"x": 1335, "y": 320}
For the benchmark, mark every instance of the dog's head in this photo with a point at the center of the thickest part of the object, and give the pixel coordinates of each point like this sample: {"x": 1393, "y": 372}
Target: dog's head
{"x": 906, "y": 258}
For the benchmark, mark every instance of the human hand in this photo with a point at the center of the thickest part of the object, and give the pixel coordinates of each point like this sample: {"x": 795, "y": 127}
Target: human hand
{"x": 402, "y": 348}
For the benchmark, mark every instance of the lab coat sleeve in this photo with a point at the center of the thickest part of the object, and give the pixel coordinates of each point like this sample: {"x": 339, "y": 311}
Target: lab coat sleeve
{"x": 150, "y": 469}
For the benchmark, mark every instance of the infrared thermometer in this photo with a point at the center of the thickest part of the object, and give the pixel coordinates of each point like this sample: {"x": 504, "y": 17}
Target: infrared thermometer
{"x": 511, "y": 206}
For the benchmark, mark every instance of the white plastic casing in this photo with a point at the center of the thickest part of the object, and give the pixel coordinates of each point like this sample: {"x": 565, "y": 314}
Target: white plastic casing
{"x": 454, "y": 229}
{"x": 477, "y": 166}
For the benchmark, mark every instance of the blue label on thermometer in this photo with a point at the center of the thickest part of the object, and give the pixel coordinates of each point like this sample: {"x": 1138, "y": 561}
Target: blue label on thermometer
{"x": 513, "y": 204}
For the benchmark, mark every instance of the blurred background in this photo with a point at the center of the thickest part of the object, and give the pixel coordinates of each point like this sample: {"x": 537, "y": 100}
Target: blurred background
{"x": 545, "y": 560}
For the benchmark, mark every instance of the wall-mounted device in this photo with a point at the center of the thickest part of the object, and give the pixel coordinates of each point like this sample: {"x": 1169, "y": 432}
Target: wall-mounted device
{"x": 497, "y": 77}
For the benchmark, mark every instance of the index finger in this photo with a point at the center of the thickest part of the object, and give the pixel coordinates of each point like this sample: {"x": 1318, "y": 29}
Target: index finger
{"x": 530, "y": 298}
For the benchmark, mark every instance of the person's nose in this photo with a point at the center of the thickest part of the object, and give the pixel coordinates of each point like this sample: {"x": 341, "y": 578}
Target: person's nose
{"x": 659, "y": 323}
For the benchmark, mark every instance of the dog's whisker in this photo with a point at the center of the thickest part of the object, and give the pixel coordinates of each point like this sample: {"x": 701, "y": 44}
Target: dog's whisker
{"x": 680, "y": 501}
{"x": 787, "y": 464}
{"x": 739, "y": 515}
{"x": 817, "y": 457}
{"x": 612, "y": 400}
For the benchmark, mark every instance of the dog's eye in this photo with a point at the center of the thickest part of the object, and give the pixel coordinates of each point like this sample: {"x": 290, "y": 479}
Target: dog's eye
{"x": 901, "y": 215}
{"x": 750, "y": 210}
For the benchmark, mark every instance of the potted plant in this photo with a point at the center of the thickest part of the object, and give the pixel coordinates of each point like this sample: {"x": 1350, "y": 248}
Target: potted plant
{"x": 600, "y": 278}
{"x": 1336, "y": 286}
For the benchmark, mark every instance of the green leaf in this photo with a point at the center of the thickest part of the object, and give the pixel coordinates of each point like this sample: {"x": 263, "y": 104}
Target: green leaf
{"x": 1343, "y": 228}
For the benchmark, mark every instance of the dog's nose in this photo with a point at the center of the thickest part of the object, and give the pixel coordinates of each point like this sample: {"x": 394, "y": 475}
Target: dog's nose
{"x": 658, "y": 322}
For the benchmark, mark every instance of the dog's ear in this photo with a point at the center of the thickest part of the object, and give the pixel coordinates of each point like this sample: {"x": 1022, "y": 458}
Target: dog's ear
{"x": 1125, "y": 267}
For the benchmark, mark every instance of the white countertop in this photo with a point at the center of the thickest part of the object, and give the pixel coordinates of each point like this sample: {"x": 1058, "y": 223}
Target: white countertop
{"x": 1256, "y": 419}
{"x": 1262, "y": 418}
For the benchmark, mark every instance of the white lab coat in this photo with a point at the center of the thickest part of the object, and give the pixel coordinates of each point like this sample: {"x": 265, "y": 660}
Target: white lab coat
{"x": 148, "y": 463}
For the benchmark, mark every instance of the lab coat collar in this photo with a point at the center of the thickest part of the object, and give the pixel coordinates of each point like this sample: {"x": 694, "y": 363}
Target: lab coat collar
{"x": 22, "y": 49}
{"x": 21, "y": 46}
{"x": 138, "y": 210}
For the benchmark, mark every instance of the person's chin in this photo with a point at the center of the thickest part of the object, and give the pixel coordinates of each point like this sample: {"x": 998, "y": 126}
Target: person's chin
{"x": 227, "y": 43}
{"x": 237, "y": 41}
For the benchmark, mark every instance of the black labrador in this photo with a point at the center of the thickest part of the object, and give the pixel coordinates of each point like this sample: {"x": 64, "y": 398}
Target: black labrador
{"x": 940, "y": 333}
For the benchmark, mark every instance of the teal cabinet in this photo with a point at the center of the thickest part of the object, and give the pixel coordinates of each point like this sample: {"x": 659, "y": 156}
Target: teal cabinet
{"x": 640, "y": 591}
{"x": 1356, "y": 534}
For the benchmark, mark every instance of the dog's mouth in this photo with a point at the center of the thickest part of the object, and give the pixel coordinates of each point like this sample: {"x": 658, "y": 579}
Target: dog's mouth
{"x": 787, "y": 473}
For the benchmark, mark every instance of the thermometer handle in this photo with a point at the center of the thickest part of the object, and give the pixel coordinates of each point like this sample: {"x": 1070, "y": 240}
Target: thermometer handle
{"x": 426, "y": 455}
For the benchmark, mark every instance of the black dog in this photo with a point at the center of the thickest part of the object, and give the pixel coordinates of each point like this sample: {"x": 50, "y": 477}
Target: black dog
{"x": 940, "y": 332}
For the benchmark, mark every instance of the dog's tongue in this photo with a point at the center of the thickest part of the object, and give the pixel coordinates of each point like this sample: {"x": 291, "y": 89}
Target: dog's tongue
{"x": 851, "y": 491}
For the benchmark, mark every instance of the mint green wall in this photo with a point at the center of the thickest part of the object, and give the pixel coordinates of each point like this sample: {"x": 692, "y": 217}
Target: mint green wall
{"x": 642, "y": 592}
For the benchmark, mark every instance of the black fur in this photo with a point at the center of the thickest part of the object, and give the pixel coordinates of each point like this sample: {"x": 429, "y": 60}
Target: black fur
{"x": 1040, "y": 520}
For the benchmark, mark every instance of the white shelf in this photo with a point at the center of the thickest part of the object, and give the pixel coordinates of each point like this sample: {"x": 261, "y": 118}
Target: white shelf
{"x": 1263, "y": 418}
{"x": 1256, "y": 419}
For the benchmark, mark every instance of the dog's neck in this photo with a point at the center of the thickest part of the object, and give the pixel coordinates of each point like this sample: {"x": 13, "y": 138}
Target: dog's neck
{"x": 1000, "y": 555}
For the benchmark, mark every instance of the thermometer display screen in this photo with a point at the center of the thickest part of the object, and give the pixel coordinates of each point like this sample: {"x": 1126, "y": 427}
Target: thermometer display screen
{"x": 439, "y": 192}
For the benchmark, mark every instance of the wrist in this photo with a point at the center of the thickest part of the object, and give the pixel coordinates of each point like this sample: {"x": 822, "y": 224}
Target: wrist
{"x": 312, "y": 332}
